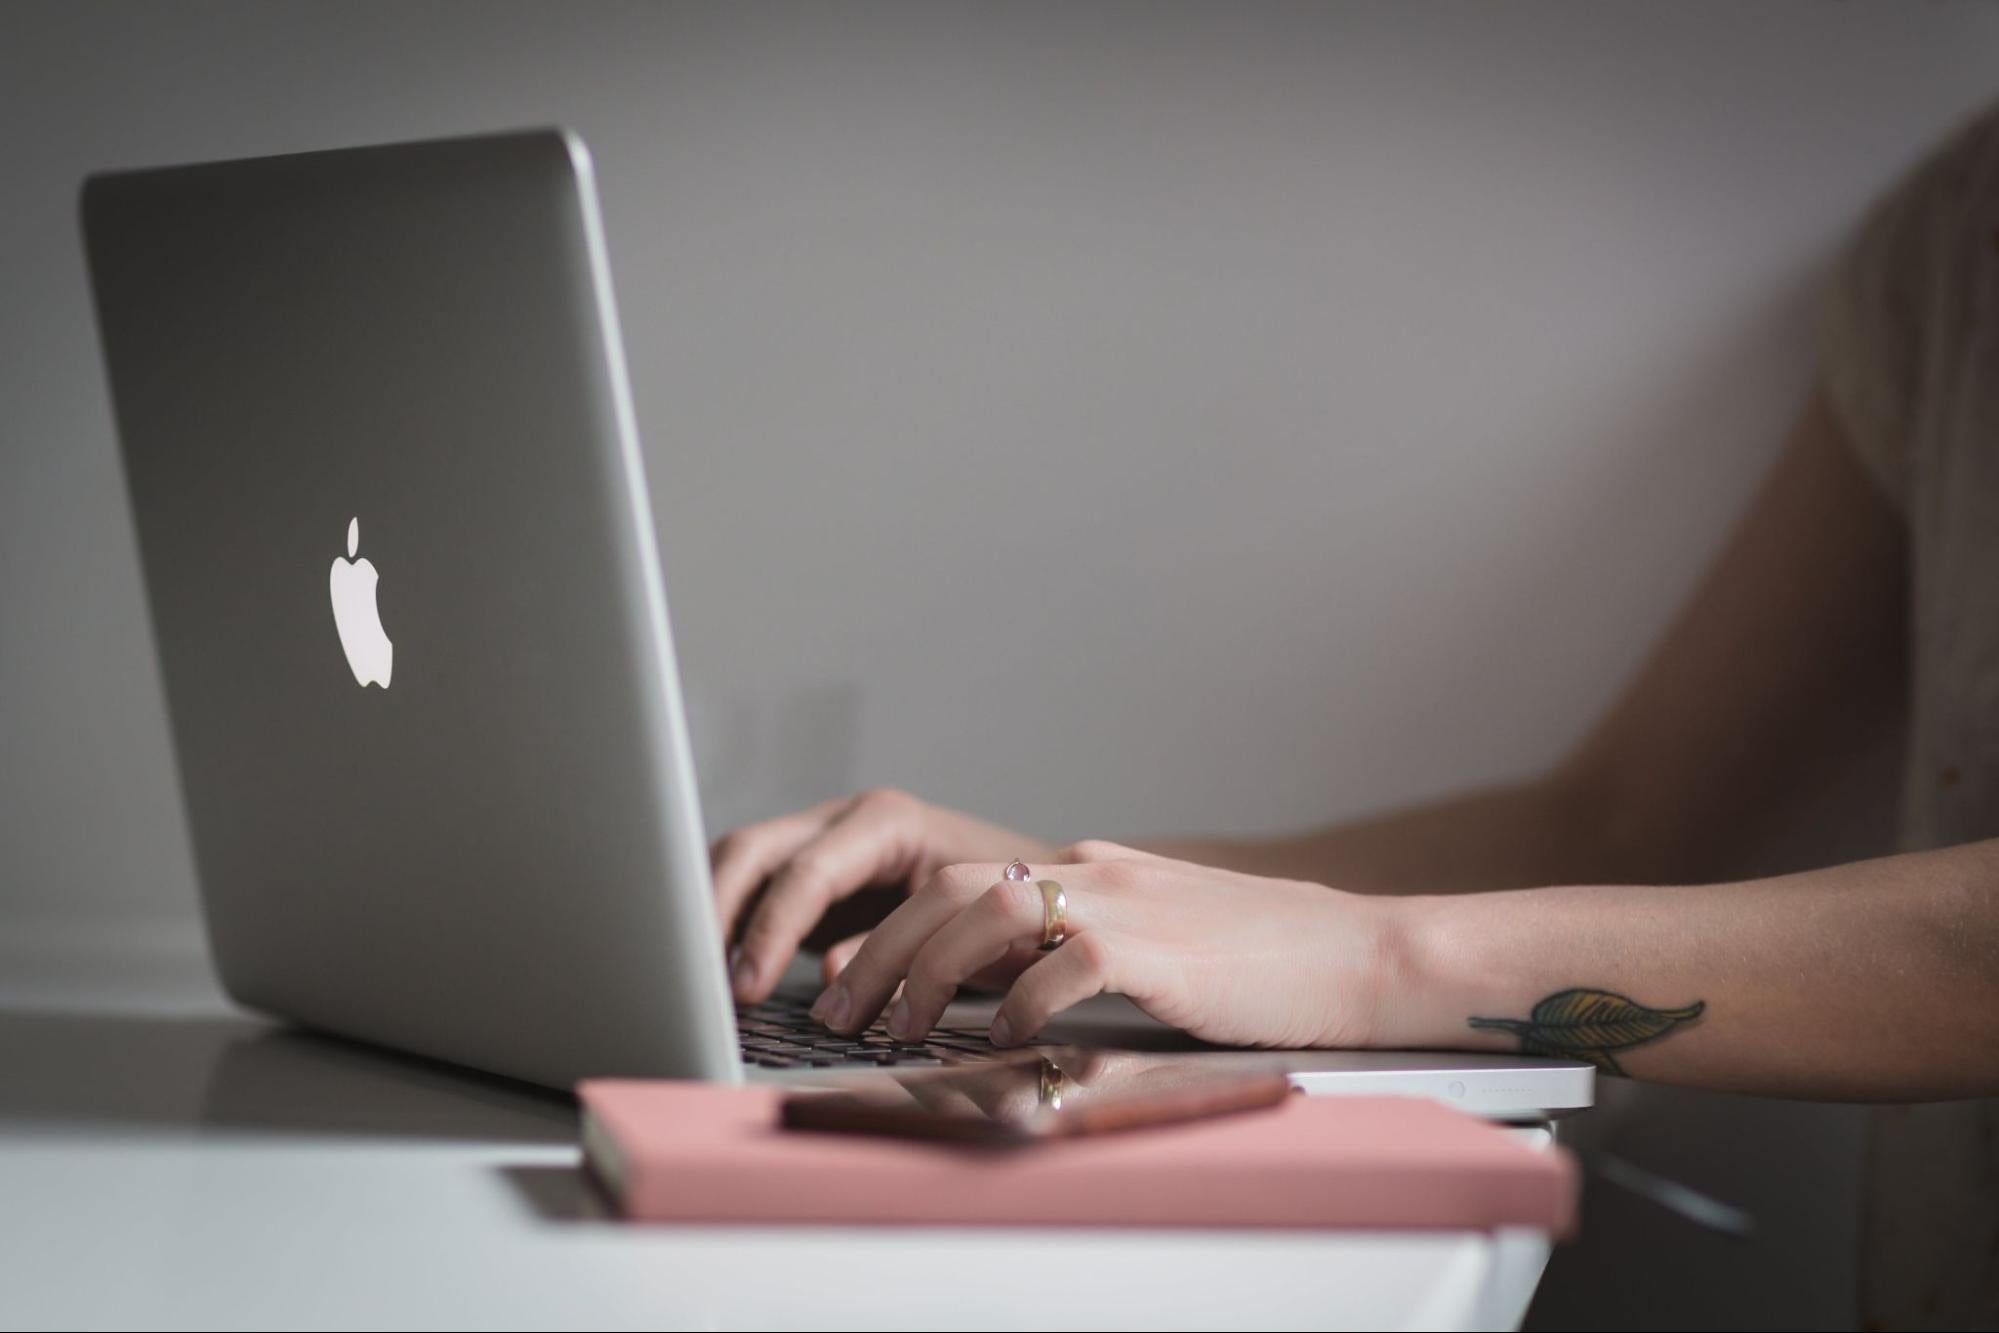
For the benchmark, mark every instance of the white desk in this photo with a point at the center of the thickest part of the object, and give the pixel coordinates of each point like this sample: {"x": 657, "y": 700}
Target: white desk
{"x": 167, "y": 1162}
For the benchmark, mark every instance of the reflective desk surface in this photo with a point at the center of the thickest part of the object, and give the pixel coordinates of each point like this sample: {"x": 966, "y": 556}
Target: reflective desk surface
{"x": 167, "y": 1161}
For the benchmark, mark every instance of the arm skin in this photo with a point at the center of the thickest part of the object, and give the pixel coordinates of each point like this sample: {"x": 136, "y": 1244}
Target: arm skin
{"x": 1876, "y": 980}
{"x": 1792, "y": 645}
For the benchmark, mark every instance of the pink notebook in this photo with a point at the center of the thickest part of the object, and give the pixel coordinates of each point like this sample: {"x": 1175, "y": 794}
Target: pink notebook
{"x": 697, "y": 1152}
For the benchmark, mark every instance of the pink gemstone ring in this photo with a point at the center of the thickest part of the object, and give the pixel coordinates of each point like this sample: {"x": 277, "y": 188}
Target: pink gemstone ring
{"x": 1016, "y": 871}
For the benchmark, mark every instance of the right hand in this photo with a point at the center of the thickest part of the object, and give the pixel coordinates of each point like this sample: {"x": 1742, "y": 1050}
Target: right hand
{"x": 805, "y": 863}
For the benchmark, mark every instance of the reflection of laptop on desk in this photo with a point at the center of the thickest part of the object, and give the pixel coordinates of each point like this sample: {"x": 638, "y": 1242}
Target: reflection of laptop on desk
{"x": 391, "y": 379}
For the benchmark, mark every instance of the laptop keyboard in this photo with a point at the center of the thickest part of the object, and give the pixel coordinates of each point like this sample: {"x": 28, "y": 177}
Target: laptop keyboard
{"x": 781, "y": 1033}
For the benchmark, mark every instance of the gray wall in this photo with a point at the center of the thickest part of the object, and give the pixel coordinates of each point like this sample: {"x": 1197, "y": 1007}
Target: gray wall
{"x": 1112, "y": 418}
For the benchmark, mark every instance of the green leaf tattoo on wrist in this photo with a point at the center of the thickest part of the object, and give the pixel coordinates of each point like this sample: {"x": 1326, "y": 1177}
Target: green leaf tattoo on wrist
{"x": 1583, "y": 1024}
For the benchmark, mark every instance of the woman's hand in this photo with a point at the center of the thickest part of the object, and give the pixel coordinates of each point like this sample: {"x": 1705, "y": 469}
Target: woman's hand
{"x": 806, "y": 862}
{"x": 1229, "y": 957}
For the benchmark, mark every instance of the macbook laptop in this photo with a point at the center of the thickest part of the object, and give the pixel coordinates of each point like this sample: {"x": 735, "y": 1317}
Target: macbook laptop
{"x": 413, "y": 638}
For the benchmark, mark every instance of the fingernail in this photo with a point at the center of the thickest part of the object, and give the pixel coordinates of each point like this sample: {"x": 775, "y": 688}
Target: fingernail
{"x": 1002, "y": 1032}
{"x": 898, "y": 1021}
{"x": 742, "y": 971}
{"x": 834, "y": 1006}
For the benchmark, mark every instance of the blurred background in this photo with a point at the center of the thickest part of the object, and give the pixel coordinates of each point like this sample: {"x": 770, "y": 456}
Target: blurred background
{"x": 1110, "y": 418}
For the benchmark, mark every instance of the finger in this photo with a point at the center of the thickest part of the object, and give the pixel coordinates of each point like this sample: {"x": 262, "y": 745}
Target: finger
{"x": 956, "y": 1093}
{"x": 873, "y": 840}
{"x": 841, "y": 954}
{"x": 998, "y": 977}
{"x": 740, "y": 860}
{"x": 1015, "y": 1098}
{"x": 858, "y": 994}
{"x": 1080, "y": 968}
{"x": 1006, "y": 916}
{"x": 941, "y": 1096}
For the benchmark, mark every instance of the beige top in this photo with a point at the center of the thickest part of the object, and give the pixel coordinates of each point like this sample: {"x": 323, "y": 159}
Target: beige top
{"x": 1910, "y": 362}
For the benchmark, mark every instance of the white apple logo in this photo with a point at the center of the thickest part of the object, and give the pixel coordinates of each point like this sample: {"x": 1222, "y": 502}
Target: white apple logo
{"x": 370, "y": 655}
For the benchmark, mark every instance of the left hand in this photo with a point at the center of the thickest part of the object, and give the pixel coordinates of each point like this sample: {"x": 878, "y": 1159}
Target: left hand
{"x": 1228, "y": 957}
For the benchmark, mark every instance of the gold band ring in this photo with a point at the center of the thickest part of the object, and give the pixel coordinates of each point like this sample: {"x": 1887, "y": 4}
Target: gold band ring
{"x": 1054, "y": 914}
{"x": 1052, "y": 1085}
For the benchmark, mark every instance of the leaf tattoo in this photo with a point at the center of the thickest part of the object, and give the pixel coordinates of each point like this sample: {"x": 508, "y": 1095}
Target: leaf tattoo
{"x": 1584, "y": 1024}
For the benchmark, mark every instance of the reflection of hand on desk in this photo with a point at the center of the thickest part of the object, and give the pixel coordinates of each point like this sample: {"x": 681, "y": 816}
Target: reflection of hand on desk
{"x": 200, "y": 1167}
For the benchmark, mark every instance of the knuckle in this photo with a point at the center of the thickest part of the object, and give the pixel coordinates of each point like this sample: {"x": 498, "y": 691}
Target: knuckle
{"x": 1092, "y": 849}
{"x": 1116, "y": 874}
{"x": 776, "y": 923}
{"x": 960, "y": 883}
{"x": 885, "y": 800}
{"x": 806, "y": 877}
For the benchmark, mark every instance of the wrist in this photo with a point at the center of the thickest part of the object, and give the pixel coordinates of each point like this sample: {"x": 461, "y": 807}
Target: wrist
{"x": 1371, "y": 964}
{"x": 1433, "y": 965}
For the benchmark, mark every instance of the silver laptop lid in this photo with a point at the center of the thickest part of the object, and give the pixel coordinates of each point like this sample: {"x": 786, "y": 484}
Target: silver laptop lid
{"x": 391, "y": 378}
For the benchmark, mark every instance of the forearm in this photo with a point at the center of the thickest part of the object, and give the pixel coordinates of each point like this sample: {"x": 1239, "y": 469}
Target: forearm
{"x": 1539, "y": 832}
{"x": 1874, "y": 980}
